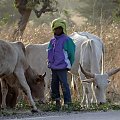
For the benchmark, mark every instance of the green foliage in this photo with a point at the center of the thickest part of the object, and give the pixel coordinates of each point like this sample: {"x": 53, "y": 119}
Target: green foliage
{"x": 66, "y": 13}
{"x": 31, "y": 4}
{"x": 96, "y": 10}
{"x": 116, "y": 12}
{"x": 116, "y": 17}
{"x": 4, "y": 19}
{"x": 50, "y": 106}
{"x": 22, "y": 105}
{"x": 47, "y": 107}
{"x": 76, "y": 106}
{"x": 7, "y": 12}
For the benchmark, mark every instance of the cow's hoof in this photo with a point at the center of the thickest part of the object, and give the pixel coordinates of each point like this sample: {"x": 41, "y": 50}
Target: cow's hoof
{"x": 34, "y": 111}
{"x": 101, "y": 103}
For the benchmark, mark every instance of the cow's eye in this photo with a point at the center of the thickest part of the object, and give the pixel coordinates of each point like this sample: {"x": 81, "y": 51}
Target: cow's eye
{"x": 97, "y": 86}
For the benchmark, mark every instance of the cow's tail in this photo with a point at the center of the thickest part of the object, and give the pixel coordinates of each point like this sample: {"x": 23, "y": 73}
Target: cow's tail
{"x": 103, "y": 59}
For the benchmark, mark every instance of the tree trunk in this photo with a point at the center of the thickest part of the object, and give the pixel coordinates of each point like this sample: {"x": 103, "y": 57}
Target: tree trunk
{"x": 18, "y": 32}
{"x": 25, "y": 14}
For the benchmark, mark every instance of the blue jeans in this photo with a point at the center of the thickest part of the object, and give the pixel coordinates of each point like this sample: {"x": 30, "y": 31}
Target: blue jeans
{"x": 60, "y": 77}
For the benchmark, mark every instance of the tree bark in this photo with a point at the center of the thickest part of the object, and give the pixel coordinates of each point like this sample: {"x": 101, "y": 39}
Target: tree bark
{"x": 18, "y": 32}
{"x": 24, "y": 17}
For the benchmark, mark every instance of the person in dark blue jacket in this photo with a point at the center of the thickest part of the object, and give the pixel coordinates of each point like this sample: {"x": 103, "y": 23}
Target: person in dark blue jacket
{"x": 61, "y": 54}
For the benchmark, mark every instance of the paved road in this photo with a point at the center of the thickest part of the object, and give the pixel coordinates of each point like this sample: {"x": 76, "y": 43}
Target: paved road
{"x": 112, "y": 115}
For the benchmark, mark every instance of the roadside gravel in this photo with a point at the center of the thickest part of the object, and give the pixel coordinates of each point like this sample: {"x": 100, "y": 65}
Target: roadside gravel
{"x": 24, "y": 114}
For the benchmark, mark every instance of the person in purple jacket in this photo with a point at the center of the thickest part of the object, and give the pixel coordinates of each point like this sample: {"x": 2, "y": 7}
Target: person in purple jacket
{"x": 61, "y": 54}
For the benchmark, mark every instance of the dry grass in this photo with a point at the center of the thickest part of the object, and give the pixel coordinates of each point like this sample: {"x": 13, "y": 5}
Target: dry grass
{"x": 110, "y": 35}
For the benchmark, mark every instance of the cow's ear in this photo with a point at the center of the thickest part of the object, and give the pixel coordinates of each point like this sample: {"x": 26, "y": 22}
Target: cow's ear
{"x": 109, "y": 81}
{"x": 42, "y": 75}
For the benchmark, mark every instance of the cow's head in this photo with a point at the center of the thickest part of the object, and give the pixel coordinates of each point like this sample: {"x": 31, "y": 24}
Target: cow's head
{"x": 39, "y": 79}
{"x": 101, "y": 82}
{"x": 39, "y": 88}
{"x": 37, "y": 84}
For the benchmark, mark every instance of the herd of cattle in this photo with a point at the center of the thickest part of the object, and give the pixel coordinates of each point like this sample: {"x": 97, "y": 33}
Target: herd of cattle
{"x": 26, "y": 68}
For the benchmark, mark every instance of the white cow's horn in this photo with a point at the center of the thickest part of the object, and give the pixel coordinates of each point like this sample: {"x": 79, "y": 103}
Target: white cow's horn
{"x": 89, "y": 80}
{"x": 113, "y": 71}
{"x": 86, "y": 73}
{"x": 44, "y": 74}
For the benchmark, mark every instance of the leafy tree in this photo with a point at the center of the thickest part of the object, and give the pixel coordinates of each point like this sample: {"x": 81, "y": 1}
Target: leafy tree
{"x": 96, "y": 11}
{"x": 8, "y": 12}
{"x": 25, "y": 7}
{"x": 117, "y": 10}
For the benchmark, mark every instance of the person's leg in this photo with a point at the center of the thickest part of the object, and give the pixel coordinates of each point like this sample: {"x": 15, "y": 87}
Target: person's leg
{"x": 62, "y": 74}
{"x": 55, "y": 93}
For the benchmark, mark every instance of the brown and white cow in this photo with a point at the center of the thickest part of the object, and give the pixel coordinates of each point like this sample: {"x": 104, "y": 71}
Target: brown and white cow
{"x": 11, "y": 97}
{"x": 37, "y": 87}
{"x": 14, "y": 67}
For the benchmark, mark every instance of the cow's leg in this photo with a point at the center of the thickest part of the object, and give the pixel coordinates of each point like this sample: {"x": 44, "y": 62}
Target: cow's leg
{"x": 94, "y": 99}
{"x": 76, "y": 83}
{"x": 85, "y": 97}
{"x": 89, "y": 93}
{"x": 47, "y": 88}
{"x": 12, "y": 95}
{"x": 4, "y": 91}
{"x": 21, "y": 77}
{"x": 84, "y": 89}
{"x": 74, "y": 86}
{"x": 71, "y": 83}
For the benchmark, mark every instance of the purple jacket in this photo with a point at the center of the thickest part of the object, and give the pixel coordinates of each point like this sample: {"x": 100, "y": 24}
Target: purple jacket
{"x": 61, "y": 52}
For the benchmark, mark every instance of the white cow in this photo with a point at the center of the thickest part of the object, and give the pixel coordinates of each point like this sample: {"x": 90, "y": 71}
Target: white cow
{"x": 37, "y": 58}
{"x": 89, "y": 53}
{"x": 36, "y": 55}
{"x": 83, "y": 41}
{"x": 13, "y": 63}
